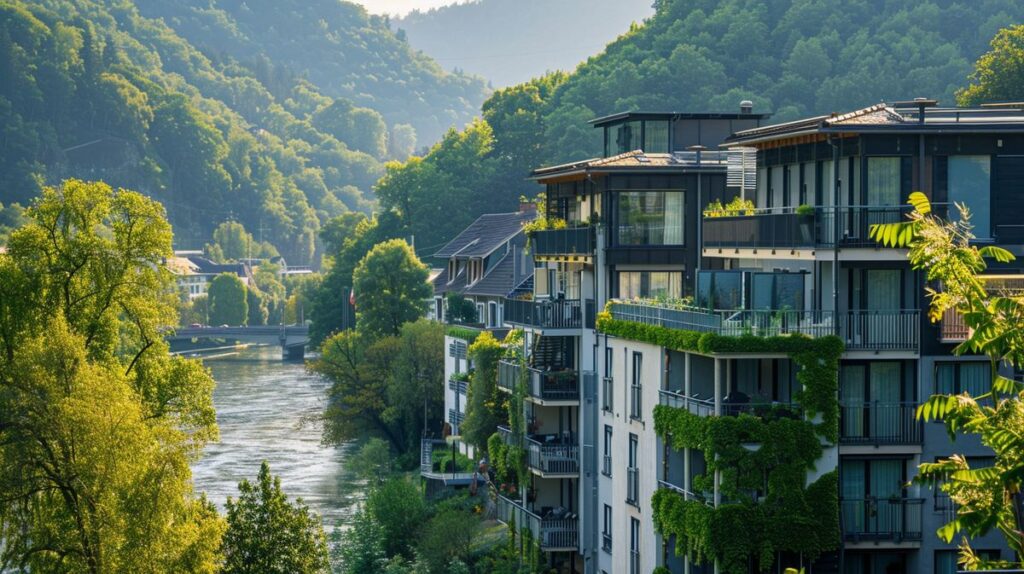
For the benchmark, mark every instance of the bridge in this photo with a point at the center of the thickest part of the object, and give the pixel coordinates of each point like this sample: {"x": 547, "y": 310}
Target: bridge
{"x": 292, "y": 338}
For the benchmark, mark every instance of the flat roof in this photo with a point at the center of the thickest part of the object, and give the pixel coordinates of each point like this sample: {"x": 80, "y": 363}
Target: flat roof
{"x": 639, "y": 115}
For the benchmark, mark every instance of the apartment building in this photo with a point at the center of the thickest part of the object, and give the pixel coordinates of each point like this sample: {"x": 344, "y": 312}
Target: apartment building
{"x": 750, "y": 391}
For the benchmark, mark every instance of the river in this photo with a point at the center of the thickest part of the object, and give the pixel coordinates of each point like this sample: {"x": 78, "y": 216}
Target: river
{"x": 267, "y": 409}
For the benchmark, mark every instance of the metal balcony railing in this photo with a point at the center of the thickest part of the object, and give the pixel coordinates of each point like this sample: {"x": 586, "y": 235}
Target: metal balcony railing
{"x": 427, "y": 448}
{"x": 562, "y": 385}
{"x": 701, "y": 407}
{"x": 455, "y": 418}
{"x": 861, "y": 330}
{"x": 879, "y": 423}
{"x": 606, "y": 467}
{"x": 874, "y": 519}
{"x": 555, "y": 531}
{"x": 636, "y": 405}
{"x": 563, "y": 242}
{"x": 552, "y": 457}
{"x": 953, "y": 328}
{"x": 633, "y": 486}
{"x": 784, "y": 228}
{"x": 544, "y": 314}
{"x": 607, "y": 394}
{"x": 457, "y": 385}
{"x": 606, "y": 542}
{"x": 686, "y": 494}
{"x": 634, "y": 561}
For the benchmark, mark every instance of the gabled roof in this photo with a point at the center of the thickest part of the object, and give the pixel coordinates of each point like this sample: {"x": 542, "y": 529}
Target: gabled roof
{"x": 499, "y": 280}
{"x": 486, "y": 234}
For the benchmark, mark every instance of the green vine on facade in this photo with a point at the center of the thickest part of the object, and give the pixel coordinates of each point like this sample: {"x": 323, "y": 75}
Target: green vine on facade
{"x": 763, "y": 460}
{"x": 465, "y": 333}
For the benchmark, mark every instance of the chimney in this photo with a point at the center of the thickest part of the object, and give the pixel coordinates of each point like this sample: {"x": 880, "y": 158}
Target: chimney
{"x": 746, "y": 107}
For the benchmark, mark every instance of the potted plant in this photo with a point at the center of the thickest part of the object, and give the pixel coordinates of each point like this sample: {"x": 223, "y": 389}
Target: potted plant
{"x": 805, "y": 218}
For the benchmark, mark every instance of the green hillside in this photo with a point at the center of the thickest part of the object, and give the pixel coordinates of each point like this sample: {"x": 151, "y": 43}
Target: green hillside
{"x": 340, "y": 48}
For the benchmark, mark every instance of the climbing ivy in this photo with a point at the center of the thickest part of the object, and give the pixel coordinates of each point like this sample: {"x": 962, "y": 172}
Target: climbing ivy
{"x": 465, "y": 333}
{"x": 763, "y": 486}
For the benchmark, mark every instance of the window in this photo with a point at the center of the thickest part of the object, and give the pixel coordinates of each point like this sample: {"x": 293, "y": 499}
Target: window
{"x": 480, "y": 312}
{"x": 635, "y": 406}
{"x": 492, "y": 314}
{"x": 974, "y": 378}
{"x": 439, "y": 308}
{"x": 606, "y": 530}
{"x": 608, "y": 382}
{"x": 633, "y": 474}
{"x": 650, "y": 218}
{"x": 634, "y": 546}
{"x": 650, "y": 284}
{"x": 606, "y": 469}
{"x": 970, "y": 184}
{"x": 720, "y": 290}
{"x": 946, "y": 560}
{"x": 625, "y": 137}
{"x": 655, "y": 137}
{"x": 777, "y": 291}
{"x": 884, "y": 181}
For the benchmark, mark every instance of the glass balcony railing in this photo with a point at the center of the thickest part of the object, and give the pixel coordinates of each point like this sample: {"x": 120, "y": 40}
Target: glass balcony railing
{"x": 556, "y": 530}
{"x": 544, "y": 314}
{"x": 861, "y": 330}
{"x": 881, "y": 519}
{"x": 879, "y": 423}
{"x": 547, "y": 385}
{"x": 697, "y": 406}
{"x": 575, "y": 241}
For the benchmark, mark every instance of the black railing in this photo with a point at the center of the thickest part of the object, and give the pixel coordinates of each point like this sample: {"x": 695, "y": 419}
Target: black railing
{"x": 458, "y": 385}
{"x": 894, "y": 330}
{"x": 636, "y": 409}
{"x": 700, "y": 407}
{"x": 878, "y": 423}
{"x": 564, "y": 242}
{"x": 544, "y": 314}
{"x": 784, "y": 228}
{"x": 873, "y": 519}
{"x": 633, "y": 486}
{"x": 548, "y": 385}
{"x": 554, "y": 531}
{"x": 552, "y": 457}
{"x": 607, "y": 394}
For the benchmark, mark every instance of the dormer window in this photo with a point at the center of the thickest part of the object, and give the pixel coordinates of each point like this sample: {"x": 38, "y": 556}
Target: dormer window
{"x": 453, "y": 267}
{"x": 475, "y": 270}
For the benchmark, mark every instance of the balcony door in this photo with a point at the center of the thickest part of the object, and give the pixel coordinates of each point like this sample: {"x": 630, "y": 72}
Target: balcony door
{"x": 870, "y": 395}
{"x": 872, "y": 492}
{"x": 883, "y": 192}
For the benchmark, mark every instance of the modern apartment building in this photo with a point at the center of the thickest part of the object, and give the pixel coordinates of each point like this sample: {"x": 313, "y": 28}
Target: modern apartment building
{"x": 768, "y": 422}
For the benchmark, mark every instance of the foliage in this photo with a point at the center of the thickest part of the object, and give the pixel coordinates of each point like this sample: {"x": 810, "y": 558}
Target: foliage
{"x": 372, "y": 462}
{"x": 484, "y": 403}
{"x": 11, "y": 218}
{"x": 805, "y": 210}
{"x": 987, "y": 498}
{"x": 228, "y": 297}
{"x": 98, "y": 421}
{"x": 391, "y": 288}
{"x": 446, "y": 538}
{"x": 231, "y": 242}
{"x": 459, "y": 309}
{"x": 398, "y": 507}
{"x": 999, "y": 73}
{"x": 267, "y": 534}
{"x": 464, "y": 333}
{"x": 360, "y": 548}
{"x": 736, "y": 206}
{"x": 415, "y": 386}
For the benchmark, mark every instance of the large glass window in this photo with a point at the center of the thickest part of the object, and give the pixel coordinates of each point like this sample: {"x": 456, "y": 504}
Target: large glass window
{"x": 973, "y": 378}
{"x": 656, "y": 137}
{"x": 778, "y": 291}
{"x": 643, "y": 284}
{"x": 970, "y": 184}
{"x": 650, "y": 218}
{"x": 884, "y": 181}
{"x": 720, "y": 289}
{"x": 625, "y": 137}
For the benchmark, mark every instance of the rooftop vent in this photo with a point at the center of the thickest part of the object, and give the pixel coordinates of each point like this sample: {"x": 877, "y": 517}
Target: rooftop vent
{"x": 746, "y": 107}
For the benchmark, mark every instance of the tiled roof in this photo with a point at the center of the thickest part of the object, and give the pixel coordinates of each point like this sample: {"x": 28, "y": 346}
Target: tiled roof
{"x": 500, "y": 279}
{"x": 441, "y": 285}
{"x": 486, "y": 234}
{"x": 879, "y": 114}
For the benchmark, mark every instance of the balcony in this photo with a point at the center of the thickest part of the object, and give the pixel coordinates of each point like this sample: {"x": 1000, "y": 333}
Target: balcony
{"x": 549, "y": 455}
{"x": 878, "y": 423}
{"x": 543, "y": 386}
{"x": 607, "y": 394}
{"x": 572, "y": 242}
{"x": 686, "y": 494}
{"x": 895, "y": 330}
{"x": 953, "y": 327}
{"x": 557, "y": 530}
{"x": 544, "y": 314}
{"x": 455, "y": 418}
{"x": 633, "y": 486}
{"x": 784, "y": 228}
{"x": 700, "y": 407}
{"x": 881, "y": 519}
{"x": 436, "y": 462}
{"x": 458, "y": 383}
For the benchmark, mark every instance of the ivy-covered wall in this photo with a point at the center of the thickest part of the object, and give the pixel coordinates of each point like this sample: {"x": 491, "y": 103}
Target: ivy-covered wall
{"x": 770, "y": 455}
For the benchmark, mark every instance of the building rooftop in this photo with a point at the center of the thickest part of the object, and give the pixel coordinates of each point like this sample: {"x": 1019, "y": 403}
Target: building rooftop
{"x": 633, "y": 160}
{"x": 915, "y": 116}
{"x": 640, "y": 115}
{"x": 486, "y": 234}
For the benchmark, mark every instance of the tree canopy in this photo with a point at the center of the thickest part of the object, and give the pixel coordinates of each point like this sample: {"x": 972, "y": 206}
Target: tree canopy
{"x": 229, "y": 300}
{"x": 999, "y": 73}
{"x": 391, "y": 288}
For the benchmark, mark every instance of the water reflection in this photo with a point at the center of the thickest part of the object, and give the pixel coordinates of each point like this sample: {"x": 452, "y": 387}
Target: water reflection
{"x": 267, "y": 410}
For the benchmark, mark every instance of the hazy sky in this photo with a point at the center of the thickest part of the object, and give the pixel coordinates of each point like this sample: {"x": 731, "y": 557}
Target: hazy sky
{"x": 401, "y": 7}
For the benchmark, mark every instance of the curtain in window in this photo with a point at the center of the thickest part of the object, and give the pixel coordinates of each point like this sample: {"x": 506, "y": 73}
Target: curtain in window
{"x": 883, "y": 289}
{"x": 884, "y": 414}
{"x": 887, "y": 484}
{"x": 673, "y": 219}
{"x": 975, "y": 378}
{"x": 884, "y": 181}
{"x": 852, "y": 488}
{"x": 655, "y": 137}
{"x": 945, "y": 379}
{"x": 852, "y": 398}
{"x": 970, "y": 184}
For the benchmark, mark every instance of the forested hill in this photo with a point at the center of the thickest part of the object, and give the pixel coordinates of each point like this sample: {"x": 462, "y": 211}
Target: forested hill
{"x": 791, "y": 57}
{"x": 509, "y": 42}
{"x": 94, "y": 89}
{"x": 339, "y": 47}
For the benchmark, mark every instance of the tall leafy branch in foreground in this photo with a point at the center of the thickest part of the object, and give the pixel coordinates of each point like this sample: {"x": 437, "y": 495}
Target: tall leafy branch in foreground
{"x": 988, "y": 497}
{"x": 97, "y": 420}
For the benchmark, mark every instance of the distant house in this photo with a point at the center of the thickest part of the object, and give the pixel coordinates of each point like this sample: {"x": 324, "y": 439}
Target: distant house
{"x": 194, "y": 273}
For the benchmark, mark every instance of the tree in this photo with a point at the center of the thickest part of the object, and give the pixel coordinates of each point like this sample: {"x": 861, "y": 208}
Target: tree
{"x": 459, "y": 309}
{"x": 416, "y": 380}
{"x": 402, "y": 142}
{"x": 228, "y": 299}
{"x": 447, "y": 538}
{"x": 372, "y": 462}
{"x": 391, "y": 288}
{"x": 999, "y": 74}
{"x": 266, "y": 534}
{"x": 360, "y": 549}
{"x": 399, "y": 508}
{"x": 484, "y": 405}
{"x": 988, "y": 497}
{"x": 98, "y": 421}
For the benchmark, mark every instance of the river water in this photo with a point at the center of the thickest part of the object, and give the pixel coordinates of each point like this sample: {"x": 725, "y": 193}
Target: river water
{"x": 267, "y": 409}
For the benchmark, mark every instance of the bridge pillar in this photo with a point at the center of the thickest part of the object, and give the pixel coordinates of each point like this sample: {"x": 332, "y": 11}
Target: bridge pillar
{"x": 293, "y": 353}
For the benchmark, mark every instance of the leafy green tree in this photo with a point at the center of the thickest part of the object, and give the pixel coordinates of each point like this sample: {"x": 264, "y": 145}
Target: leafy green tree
{"x": 416, "y": 380}
{"x": 391, "y": 288}
{"x": 987, "y": 498}
{"x": 267, "y": 534}
{"x": 399, "y": 508}
{"x": 484, "y": 405}
{"x": 360, "y": 549}
{"x": 234, "y": 241}
{"x": 372, "y": 462}
{"x": 458, "y": 309}
{"x": 257, "y": 307}
{"x": 228, "y": 299}
{"x": 447, "y": 539}
{"x": 402, "y": 142}
{"x": 98, "y": 421}
{"x": 999, "y": 74}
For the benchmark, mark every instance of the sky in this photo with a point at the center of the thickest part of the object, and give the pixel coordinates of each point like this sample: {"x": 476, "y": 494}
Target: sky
{"x": 401, "y": 7}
